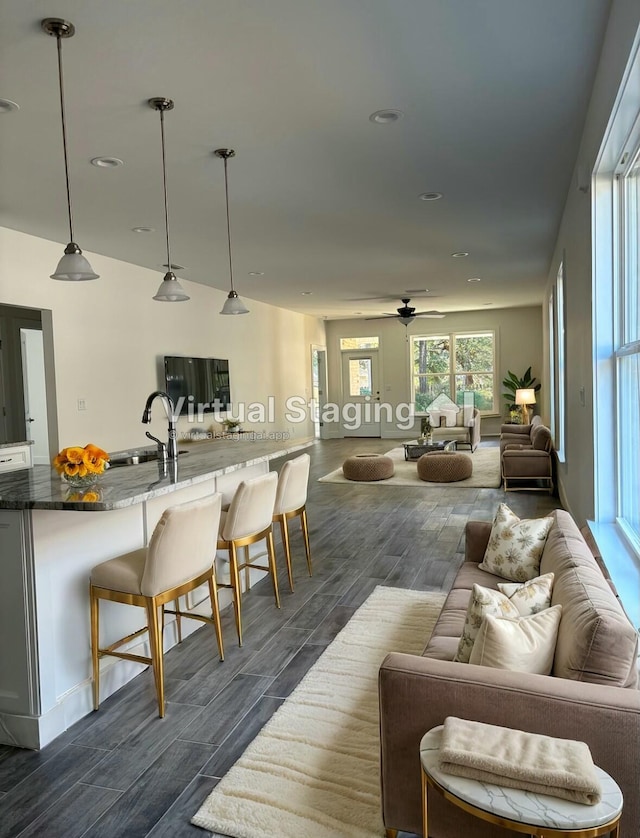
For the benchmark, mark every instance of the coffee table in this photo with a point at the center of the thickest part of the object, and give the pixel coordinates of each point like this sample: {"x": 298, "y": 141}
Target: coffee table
{"x": 415, "y": 450}
{"x": 522, "y": 811}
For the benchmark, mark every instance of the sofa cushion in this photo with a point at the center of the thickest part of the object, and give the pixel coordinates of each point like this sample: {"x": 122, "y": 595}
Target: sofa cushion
{"x": 596, "y": 642}
{"x": 483, "y": 601}
{"x": 515, "y": 546}
{"x": 525, "y": 644}
{"x": 529, "y": 597}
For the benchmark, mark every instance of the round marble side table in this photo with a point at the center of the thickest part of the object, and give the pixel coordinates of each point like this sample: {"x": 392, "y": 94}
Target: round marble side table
{"x": 533, "y": 814}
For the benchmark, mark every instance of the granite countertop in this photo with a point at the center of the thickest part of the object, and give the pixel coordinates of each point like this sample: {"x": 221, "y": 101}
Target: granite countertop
{"x": 40, "y": 487}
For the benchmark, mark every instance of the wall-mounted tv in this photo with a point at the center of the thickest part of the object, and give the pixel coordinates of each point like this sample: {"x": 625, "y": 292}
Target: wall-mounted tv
{"x": 201, "y": 383}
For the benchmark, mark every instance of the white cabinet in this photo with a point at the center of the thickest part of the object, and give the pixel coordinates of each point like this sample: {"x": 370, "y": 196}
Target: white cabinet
{"x": 13, "y": 457}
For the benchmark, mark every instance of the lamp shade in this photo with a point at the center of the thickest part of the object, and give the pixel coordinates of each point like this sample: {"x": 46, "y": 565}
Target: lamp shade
{"x": 170, "y": 290}
{"x": 234, "y": 305}
{"x": 74, "y": 266}
{"x": 526, "y": 396}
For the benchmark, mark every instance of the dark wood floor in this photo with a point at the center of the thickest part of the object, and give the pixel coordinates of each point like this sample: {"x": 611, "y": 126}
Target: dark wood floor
{"x": 124, "y": 772}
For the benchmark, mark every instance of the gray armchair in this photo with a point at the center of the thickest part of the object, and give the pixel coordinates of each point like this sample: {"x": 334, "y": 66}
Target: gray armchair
{"x": 528, "y": 465}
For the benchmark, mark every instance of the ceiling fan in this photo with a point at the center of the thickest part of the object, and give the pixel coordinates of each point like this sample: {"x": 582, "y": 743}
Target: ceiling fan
{"x": 406, "y": 313}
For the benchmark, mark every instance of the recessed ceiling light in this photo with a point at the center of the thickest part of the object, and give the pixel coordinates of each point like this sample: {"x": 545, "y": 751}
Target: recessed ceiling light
{"x": 6, "y": 106}
{"x": 386, "y": 116}
{"x": 256, "y": 273}
{"x": 143, "y": 229}
{"x": 487, "y": 304}
{"x": 459, "y": 254}
{"x": 173, "y": 267}
{"x": 306, "y": 293}
{"x": 474, "y": 279}
{"x": 430, "y": 196}
{"x": 106, "y": 162}
{"x": 416, "y": 290}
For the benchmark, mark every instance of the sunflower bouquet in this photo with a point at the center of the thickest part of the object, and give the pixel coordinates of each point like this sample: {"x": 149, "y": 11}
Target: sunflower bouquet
{"x": 81, "y": 466}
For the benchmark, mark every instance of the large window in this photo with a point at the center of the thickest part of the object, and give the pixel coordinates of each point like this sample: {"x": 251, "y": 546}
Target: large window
{"x": 628, "y": 354}
{"x": 454, "y": 364}
{"x": 558, "y": 365}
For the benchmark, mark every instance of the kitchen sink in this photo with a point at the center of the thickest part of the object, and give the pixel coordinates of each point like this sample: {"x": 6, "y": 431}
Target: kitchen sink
{"x": 134, "y": 459}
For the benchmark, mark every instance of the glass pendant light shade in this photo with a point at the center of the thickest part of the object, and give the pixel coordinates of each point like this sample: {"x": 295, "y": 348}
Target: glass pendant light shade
{"x": 234, "y": 305}
{"x": 170, "y": 290}
{"x": 74, "y": 266}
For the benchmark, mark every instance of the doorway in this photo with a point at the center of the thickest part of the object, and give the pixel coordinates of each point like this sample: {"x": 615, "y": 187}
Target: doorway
{"x": 360, "y": 394}
{"x": 318, "y": 389}
{"x": 35, "y": 394}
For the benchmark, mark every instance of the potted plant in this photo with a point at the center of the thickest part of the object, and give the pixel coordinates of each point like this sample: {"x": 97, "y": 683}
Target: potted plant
{"x": 512, "y": 383}
{"x": 231, "y": 425}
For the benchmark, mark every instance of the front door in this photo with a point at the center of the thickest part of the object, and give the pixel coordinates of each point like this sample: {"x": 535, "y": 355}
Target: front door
{"x": 360, "y": 394}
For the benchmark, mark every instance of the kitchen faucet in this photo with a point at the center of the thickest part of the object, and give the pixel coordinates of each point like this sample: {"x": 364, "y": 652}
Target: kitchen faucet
{"x": 171, "y": 449}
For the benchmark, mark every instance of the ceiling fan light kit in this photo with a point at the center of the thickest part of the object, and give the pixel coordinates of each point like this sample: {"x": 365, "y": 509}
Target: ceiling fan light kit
{"x": 407, "y": 314}
{"x": 73, "y": 267}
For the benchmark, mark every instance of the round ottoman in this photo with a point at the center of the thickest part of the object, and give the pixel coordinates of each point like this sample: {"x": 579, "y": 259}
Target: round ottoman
{"x": 368, "y": 467}
{"x": 444, "y": 467}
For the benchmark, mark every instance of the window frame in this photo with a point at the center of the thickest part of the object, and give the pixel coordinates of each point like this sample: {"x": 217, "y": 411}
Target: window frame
{"x": 452, "y": 373}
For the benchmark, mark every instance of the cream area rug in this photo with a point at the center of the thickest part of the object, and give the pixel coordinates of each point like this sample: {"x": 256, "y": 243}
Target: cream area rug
{"x": 486, "y": 472}
{"x": 314, "y": 769}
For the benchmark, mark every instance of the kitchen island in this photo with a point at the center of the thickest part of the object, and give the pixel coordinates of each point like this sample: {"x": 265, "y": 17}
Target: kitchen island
{"x": 51, "y": 536}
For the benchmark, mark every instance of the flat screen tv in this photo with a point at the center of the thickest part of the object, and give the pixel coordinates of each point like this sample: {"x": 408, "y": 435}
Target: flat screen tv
{"x": 199, "y": 382}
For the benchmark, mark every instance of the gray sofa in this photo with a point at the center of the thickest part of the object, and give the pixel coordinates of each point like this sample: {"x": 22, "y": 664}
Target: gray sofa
{"x": 592, "y": 694}
{"x": 463, "y": 432}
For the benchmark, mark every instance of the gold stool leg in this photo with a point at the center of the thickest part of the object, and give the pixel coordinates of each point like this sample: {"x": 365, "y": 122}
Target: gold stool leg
{"x": 425, "y": 826}
{"x": 284, "y": 530}
{"x": 176, "y": 608}
{"x": 155, "y": 642}
{"x": 215, "y": 613}
{"x": 247, "y": 569}
{"x": 272, "y": 566}
{"x": 95, "y": 642}
{"x": 235, "y": 584}
{"x": 305, "y": 535}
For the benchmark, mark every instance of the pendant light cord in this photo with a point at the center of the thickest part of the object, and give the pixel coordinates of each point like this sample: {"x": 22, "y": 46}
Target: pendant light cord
{"x": 166, "y": 198}
{"x": 64, "y": 137}
{"x": 226, "y": 192}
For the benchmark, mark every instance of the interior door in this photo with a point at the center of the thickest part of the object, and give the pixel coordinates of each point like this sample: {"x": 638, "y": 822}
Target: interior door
{"x": 360, "y": 394}
{"x": 318, "y": 389}
{"x": 35, "y": 394}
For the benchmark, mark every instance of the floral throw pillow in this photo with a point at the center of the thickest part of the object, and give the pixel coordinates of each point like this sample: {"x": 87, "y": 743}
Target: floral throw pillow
{"x": 515, "y": 547}
{"x": 483, "y": 601}
{"x": 530, "y": 597}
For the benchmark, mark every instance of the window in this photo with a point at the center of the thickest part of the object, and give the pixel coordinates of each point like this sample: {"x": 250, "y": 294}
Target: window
{"x": 454, "y": 364}
{"x": 558, "y": 366}
{"x": 627, "y": 353}
{"x": 359, "y": 343}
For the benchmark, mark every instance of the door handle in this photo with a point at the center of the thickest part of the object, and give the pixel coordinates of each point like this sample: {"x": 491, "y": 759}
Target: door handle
{"x": 31, "y": 420}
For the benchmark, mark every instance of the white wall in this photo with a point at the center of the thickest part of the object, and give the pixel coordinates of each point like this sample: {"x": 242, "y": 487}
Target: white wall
{"x": 574, "y": 245}
{"x": 109, "y": 334}
{"x": 519, "y": 345}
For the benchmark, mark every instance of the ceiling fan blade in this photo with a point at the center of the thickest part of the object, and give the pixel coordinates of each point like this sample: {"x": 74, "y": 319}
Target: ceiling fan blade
{"x": 382, "y": 317}
{"x": 434, "y": 314}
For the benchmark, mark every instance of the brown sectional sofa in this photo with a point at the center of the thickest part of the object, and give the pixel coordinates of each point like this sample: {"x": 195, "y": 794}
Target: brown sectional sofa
{"x": 592, "y": 694}
{"x": 526, "y": 456}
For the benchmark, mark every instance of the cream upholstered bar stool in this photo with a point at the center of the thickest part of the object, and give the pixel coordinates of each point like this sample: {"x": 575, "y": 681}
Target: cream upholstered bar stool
{"x": 291, "y": 500}
{"x": 177, "y": 560}
{"x": 247, "y": 521}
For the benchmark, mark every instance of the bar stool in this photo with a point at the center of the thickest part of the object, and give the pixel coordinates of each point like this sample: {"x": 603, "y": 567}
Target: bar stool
{"x": 291, "y": 499}
{"x": 247, "y": 521}
{"x": 177, "y": 560}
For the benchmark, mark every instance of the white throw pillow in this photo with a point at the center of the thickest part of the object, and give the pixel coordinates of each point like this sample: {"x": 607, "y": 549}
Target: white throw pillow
{"x": 529, "y": 597}
{"x": 524, "y": 644}
{"x": 515, "y": 547}
{"x": 483, "y": 601}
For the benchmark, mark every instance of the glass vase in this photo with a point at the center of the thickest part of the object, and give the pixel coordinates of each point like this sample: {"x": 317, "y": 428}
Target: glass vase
{"x": 78, "y": 482}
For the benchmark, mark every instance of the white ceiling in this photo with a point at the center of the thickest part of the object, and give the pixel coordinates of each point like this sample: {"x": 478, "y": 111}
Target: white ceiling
{"x": 494, "y": 95}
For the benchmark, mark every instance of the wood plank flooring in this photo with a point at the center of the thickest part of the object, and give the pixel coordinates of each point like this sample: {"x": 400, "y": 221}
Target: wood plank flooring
{"x": 124, "y": 772}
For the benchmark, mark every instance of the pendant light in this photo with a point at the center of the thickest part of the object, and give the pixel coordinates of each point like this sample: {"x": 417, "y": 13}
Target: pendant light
{"x": 233, "y": 304}
{"x": 73, "y": 266}
{"x": 170, "y": 290}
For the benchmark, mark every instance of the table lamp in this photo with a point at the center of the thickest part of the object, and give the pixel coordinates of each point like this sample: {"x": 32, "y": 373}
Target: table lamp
{"x": 523, "y": 398}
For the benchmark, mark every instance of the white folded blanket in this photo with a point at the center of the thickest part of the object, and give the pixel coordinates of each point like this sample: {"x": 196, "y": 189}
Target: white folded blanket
{"x": 516, "y": 759}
